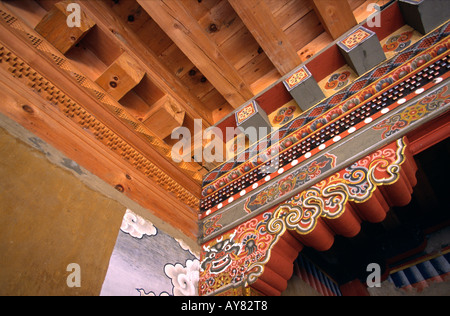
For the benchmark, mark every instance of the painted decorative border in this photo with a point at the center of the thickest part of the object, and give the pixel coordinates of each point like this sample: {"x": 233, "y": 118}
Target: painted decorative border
{"x": 399, "y": 84}
{"x": 355, "y": 38}
{"x": 246, "y": 112}
{"x": 239, "y": 256}
{"x": 363, "y": 83}
{"x": 435, "y": 102}
{"x": 299, "y": 76}
{"x": 290, "y": 183}
{"x": 394, "y": 124}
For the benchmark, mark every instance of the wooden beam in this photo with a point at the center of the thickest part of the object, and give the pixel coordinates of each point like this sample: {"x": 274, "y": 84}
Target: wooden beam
{"x": 26, "y": 107}
{"x": 261, "y": 23}
{"x": 121, "y": 76}
{"x": 164, "y": 117}
{"x": 55, "y": 29}
{"x": 18, "y": 41}
{"x": 336, "y": 16}
{"x": 129, "y": 42}
{"x": 189, "y": 36}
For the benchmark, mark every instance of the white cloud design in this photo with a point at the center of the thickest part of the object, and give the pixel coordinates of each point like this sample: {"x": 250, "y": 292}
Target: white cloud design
{"x": 143, "y": 293}
{"x": 137, "y": 226}
{"x": 184, "y": 279}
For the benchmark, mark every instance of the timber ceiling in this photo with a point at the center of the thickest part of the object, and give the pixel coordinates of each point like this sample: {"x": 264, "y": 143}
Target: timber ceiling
{"x": 210, "y": 56}
{"x": 183, "y": 60}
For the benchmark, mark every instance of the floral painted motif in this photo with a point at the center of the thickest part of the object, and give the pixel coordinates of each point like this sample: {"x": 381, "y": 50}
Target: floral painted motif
{"x": 368, "y": 93}
{"x": 384, "y": 83}
{"x": 319, "y": 123}
{"x": 402, "y": 72}
{"x": 398, "y": 42}
{"x": 414, "y": 112}
{"x": 239, "y": 256}
{"x": 350, "y": 104}
{"x": 338, "y": 81}
{"x": 302, "y": 133}
{"x": 284, "y": 115}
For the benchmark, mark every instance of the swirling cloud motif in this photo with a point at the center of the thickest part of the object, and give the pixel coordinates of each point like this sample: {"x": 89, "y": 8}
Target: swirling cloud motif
{"x": 136, "y": 226}
{"x": 143, "y": 293}
{"x": 184, "y": 279}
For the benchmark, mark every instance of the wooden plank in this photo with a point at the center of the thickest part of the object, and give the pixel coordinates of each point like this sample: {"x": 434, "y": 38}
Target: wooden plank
{"x": 296, "y": 32}
{"x": 290, "y": 12}
{"x": 120, "y": 33}
{"x": 220, "y": 22}
{"x": 315, "y": 46}
{"x": 152, "y": 36}
{"x": 336, "y": 16}
{"x": 240, "y": 57}
{"x": 259, "y": 20}
{"x": 260, "y": 73}
{"x": 189, "y": 36}
{"x": 197, "y": 82}
{"x": 130, "y": 13}
{"x": 29, "y": 10}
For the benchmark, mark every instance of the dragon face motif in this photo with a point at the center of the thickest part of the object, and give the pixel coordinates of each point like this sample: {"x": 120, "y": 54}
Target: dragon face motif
{"x": 220, "y": 255}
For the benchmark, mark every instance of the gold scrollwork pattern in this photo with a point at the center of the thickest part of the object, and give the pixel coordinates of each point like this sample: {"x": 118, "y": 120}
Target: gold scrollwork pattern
{"x": 253, "y": 241}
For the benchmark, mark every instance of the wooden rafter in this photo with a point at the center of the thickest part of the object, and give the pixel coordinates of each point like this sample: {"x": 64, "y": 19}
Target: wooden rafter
{"x": 336, "y": 16}
{"x": 84, "y": 95}
{"x": 259, "y": 20}
{"x": 187, "y": 34}
{"x": 158, "y": 72}
{"x": 27, "y": 106}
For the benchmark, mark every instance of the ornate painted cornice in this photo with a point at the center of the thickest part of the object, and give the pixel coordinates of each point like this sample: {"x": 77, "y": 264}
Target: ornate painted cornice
{"x": 242, "y": 256}
{"x": 367, "y": 96}
{"x": 398, "y": 120}
{"x": 331, "y": 136}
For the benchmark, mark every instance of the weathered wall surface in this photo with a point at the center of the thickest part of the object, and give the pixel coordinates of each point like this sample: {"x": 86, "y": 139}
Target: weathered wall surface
{"x": 49, "y": 219}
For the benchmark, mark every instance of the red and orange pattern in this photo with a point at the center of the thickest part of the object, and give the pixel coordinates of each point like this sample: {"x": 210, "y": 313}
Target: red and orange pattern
{"x": 238, "y": 257}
